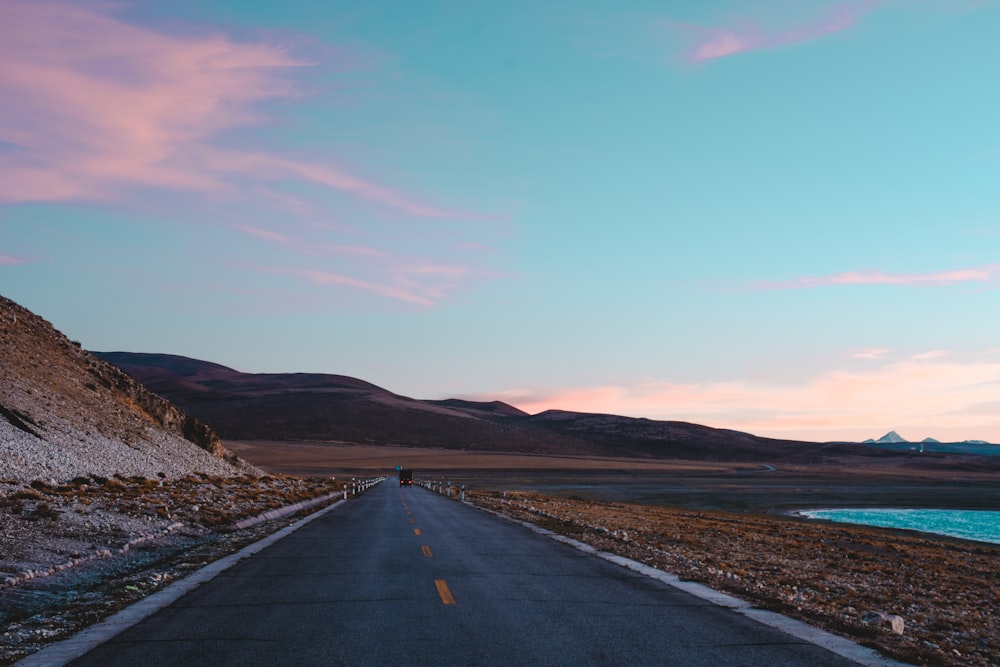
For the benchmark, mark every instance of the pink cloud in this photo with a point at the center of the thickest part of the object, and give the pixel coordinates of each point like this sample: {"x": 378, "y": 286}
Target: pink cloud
{"x": 270, "y": 167}
{"x": 410, "y": 280}
{"x": 391, "y": 291}
{"x": 931, "y": 355}
{"x": 723, "y": 42}
{"x": 870, "y": 353}
{"x": 97, "y": 109}
{"x": 931, "y": 394}
{"x": 94, "y": 106}
{"x": 984, "y": 274}
{"x": 265, "y": 234}
{"x": 7, "y": 260}
{"x": 358, "y": 251}
{"x": 719, "y": 42}
{"x": 307, "y": 246}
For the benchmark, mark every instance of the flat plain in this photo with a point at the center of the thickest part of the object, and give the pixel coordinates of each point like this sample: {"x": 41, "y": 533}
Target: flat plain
{"x": 926, "y": 482}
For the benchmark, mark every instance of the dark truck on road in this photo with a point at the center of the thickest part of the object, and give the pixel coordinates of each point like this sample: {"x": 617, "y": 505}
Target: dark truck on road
{"x": 406, "y": 478}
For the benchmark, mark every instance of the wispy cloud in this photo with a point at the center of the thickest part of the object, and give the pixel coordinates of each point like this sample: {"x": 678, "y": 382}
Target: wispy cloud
{"x": 931, "y": 394}
{"x": 7, "y": 260}
{"x": 870, "y": 353}
{"x": 413, "y": 279}
{"x": 416, "y": 282}
{"x": 93, "y": 106}
{"x": 984, "y": 274}
{"x": 710, "y": 43}
{"x": 308, "y": 246}
{"x": 100, "y": 110}
{"x": 402, "y": 293}
{"x": 265, "y": 234}
{"x": 220, "y": 162}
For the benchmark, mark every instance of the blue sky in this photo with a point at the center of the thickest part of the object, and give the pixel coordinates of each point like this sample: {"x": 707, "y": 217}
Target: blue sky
{"x": 779, "y": 216}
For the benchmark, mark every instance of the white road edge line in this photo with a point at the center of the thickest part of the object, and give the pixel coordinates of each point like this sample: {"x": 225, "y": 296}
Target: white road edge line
{"x": 834, "y": 643}
{"x": 61, "y": 653}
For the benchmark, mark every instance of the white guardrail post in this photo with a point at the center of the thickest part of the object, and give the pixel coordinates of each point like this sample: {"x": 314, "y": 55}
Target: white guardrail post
{"x": 357, "y": 487}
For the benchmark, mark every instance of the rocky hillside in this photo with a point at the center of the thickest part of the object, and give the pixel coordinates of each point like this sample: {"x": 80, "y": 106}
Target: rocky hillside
{"x": 65, "y": 413}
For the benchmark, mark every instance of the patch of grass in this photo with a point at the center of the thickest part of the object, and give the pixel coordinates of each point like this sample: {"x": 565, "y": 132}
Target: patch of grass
{"x": 43, "y": 512}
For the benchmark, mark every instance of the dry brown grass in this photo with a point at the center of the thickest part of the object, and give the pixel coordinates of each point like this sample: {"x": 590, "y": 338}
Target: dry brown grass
{"x": 325, "y": 458}
{"x": 202, "y": 500}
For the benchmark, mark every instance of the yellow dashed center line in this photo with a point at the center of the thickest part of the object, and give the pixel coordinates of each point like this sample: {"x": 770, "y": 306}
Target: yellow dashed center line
{"x": 446, "y": 596}
{"x": 427, "y": 551}
{"x": 416, "y": 531}
{"x": 413, "y": 520}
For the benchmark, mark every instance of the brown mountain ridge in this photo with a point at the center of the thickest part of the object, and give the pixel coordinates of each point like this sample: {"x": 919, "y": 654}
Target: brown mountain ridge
{"x": 336, "y": 408}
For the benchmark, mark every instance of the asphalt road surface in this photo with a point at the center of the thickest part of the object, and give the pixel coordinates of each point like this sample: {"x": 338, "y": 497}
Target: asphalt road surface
{"x": 407, "y": 577}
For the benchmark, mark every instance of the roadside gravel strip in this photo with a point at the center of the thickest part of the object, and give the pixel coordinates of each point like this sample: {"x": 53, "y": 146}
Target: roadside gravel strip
{"x": 831, "y": 642}
{"x": 65, "y": 651}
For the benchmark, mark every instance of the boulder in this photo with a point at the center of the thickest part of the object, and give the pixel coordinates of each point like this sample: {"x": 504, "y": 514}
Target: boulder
{"x": 881, "y": 619}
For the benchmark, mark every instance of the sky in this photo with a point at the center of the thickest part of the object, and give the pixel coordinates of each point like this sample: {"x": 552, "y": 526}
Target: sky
{"x": 775, "y": 216}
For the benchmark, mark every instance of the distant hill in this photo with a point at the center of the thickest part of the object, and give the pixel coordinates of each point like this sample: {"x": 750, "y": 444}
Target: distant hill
{"x": 64, "y": 413}
{"x": 336, "y": 408}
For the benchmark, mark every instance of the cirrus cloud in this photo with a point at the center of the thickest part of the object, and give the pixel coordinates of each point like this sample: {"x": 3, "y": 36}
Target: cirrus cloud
{"x": 97, "y": 109}
{"x": 8, "y": 260}
{"x": 93, "y": 106}
{"x": 710, "y": 43}
{"x": 983, "y": 274}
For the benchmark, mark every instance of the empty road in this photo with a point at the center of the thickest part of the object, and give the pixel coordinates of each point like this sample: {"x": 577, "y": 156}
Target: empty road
{"x": 407, "y": 577}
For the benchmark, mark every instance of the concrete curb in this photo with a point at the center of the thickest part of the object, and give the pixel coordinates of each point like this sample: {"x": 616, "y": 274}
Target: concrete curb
{"x": 63, "y": 652}
{"x": 834, "y": 643}
{"x": 287, "y": 510}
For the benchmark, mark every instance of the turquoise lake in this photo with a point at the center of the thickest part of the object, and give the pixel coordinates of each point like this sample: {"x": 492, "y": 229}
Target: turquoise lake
{"x": 979, "y": 525}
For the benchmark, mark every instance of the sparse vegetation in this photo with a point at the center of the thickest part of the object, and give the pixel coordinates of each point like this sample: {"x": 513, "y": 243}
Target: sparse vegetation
{"x": 220, "y": 501}
{"x": 104, "y": 525}
{"x": 44, "y": 511}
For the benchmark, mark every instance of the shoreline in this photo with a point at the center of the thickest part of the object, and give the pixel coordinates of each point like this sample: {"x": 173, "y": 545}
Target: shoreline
{"x": 925, "y": 530}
